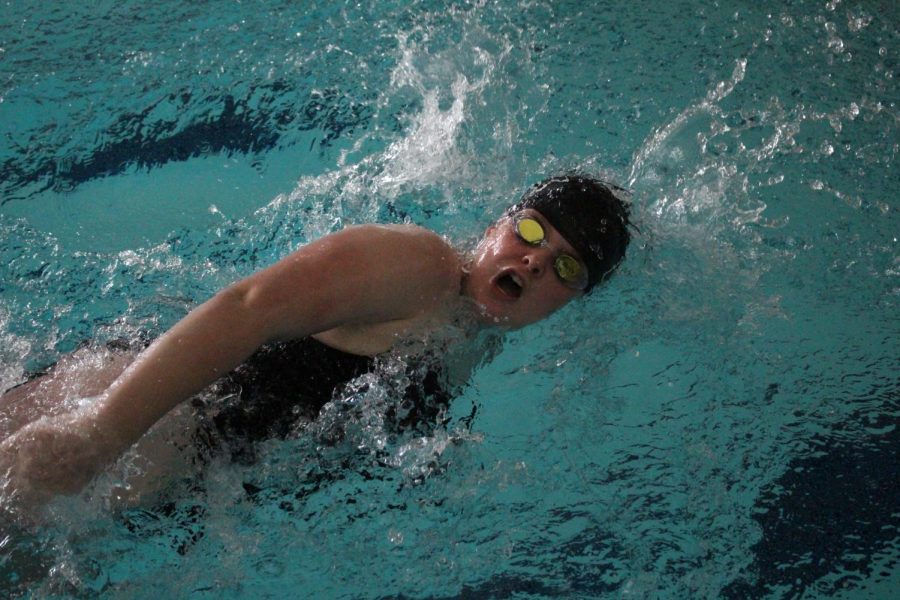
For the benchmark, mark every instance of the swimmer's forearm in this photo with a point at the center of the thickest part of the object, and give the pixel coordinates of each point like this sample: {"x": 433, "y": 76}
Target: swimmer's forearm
{"x": 288, "y": 299}
{"x": 211, "y": 341}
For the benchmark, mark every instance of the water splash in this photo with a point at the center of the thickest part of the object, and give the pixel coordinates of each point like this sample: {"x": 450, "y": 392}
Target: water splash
{"x": 664, "y": 156}
{"x": 422, "y": 167}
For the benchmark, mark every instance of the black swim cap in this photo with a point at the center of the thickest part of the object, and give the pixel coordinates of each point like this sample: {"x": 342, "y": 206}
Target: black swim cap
{"x": 588, "y": 214}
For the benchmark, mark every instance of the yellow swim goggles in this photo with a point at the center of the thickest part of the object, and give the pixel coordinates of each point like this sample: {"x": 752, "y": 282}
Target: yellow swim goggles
{"x": 569, "y": 269}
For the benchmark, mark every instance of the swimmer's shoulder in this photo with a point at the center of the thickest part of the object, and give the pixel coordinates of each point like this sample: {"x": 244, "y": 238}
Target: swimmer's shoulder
{"x": 416, "y": 262}
{"x": 407, "y": 232}
{"x": 418, "y": 249}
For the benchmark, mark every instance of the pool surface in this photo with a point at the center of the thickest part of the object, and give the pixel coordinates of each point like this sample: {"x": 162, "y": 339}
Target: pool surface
{"x": 722, "y": 420}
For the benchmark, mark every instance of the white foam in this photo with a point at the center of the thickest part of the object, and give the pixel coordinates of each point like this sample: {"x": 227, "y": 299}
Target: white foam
{"x": 428, "y": 154}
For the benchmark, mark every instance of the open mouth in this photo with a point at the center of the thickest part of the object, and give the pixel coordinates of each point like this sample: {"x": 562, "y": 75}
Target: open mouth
{"x": 510, "y": 284}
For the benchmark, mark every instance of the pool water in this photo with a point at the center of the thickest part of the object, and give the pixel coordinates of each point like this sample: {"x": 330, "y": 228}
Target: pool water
{"x": 719, "y": 421}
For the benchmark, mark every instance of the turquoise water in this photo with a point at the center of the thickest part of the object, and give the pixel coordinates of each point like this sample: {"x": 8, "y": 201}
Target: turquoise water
{"x": 721, "y": 420}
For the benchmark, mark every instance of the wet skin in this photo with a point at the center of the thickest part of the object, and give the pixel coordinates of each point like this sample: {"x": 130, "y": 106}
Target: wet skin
{"x": 513, "y": 282}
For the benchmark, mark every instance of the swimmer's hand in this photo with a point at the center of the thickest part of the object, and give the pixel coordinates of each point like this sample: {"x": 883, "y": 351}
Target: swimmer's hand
{"x": 54, "y": 456}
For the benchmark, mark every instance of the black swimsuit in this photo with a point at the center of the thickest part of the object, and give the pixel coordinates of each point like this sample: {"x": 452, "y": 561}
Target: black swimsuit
{"x": 287, "y": 383}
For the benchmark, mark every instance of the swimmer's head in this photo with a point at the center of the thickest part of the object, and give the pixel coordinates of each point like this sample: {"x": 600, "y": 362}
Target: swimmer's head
{"x": 589, "y": 216}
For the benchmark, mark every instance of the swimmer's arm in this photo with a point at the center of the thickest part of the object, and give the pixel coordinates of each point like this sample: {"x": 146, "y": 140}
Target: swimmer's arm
{"x": 361, "y": 275}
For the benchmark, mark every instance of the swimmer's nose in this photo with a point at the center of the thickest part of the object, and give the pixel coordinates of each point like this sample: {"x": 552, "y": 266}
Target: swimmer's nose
{"x": 536, "y": 262}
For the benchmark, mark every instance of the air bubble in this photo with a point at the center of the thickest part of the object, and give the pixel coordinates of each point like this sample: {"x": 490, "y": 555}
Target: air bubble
{"x": 836, "y": 45}
{"x": 395, "y": 536}
{"x": 859, "y": 23}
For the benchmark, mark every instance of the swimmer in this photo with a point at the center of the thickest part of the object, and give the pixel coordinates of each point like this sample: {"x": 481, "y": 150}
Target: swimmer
{"x": 341, "y": 300}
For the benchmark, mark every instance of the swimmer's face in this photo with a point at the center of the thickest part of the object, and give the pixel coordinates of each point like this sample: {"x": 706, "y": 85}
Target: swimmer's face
{"x": 514, "y": 283}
